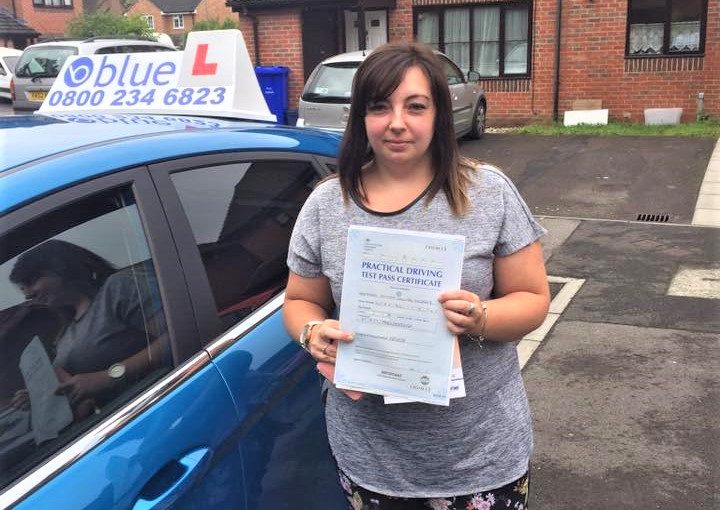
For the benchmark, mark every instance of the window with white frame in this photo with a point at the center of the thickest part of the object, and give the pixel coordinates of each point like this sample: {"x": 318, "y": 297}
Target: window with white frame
{"x": 666, "y": 27}
{"x": 150, "y": 21}
{"x": 64, "y": 4}
{"x": 490, "y": 39}
{"x": 178, "y": 21}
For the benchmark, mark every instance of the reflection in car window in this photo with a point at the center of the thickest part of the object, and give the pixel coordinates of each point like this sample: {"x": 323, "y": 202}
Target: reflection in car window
{"x": 242, "y": 215}
{"x": 81, "y": 324}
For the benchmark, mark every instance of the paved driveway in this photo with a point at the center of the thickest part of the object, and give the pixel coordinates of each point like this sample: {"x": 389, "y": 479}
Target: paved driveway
{"x": 601, "y": 177}
{"x": 624, "y": 388}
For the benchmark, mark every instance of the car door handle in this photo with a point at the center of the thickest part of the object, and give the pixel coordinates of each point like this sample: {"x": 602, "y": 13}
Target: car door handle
{"x": 172, "y": 480}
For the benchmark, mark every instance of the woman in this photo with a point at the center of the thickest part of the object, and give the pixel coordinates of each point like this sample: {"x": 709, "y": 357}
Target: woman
{"x": 399, "y": 167}
{"x": 111, "y": 336}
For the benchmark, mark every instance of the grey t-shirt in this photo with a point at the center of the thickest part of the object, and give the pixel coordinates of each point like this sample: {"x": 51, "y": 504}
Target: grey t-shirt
{"x": 114, "y": 326}
{"x": 479, "y": 442}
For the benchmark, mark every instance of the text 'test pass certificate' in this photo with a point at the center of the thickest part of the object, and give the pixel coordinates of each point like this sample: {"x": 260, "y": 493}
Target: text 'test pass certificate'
{"x": 402, "y": 346}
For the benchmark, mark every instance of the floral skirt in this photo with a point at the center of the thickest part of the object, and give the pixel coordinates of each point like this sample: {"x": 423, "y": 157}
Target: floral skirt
{"x": 512, "y": 496}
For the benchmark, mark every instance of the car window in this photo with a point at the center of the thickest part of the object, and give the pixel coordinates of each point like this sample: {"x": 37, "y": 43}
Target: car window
{"x": 10, "y": 62}
{"x": 242, "y": 215}
{"x": 43, "y": 61}
{"x": 452, "y": 73}
{"x": 331, "y": 82}
{"x": 106, "y": 50}
{"x": 82, "y": 325}
{"x": 131, "y": 48}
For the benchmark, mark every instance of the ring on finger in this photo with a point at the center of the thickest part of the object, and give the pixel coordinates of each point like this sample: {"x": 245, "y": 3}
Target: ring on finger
{"x": 470, "y": 309}
{"x": 324, "y": 351}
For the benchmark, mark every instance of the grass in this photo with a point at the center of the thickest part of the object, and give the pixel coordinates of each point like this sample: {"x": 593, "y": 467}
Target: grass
{"x": 703, "y": 129}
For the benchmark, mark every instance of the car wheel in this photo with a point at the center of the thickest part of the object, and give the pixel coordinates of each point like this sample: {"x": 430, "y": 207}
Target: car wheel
{"x": 478, "y": 123}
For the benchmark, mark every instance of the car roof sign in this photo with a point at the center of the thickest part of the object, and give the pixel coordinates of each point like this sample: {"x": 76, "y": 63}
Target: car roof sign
{"x": 212, "y": 77}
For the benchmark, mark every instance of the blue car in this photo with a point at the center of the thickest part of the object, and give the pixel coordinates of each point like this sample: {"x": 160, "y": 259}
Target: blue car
{"x": 145, "y": 363}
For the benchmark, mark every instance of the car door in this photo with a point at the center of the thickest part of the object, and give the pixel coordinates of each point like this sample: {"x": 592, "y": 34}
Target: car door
{"x": 240, "y": 247}
{"x": 157, "y": 439}
{"x": 461, "y": 95}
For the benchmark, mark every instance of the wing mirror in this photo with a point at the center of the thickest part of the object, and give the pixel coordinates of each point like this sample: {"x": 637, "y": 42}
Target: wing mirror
{"x": 473, "y": 76}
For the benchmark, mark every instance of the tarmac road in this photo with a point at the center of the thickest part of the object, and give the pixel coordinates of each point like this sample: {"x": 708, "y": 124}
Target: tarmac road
{"x": 624, "y": 388}
{"x": 5, "y": 107}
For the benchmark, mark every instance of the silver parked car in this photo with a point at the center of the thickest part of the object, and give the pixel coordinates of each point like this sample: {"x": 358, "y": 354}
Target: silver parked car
{"x": 325, "y": 101}
{"x": 40, "y": 64}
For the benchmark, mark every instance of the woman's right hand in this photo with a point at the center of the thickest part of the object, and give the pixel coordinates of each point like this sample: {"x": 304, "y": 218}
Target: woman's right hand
{"x": 324, "y": 339}
{"x": 21, "y": 400}
{"x": 322, "y": 345}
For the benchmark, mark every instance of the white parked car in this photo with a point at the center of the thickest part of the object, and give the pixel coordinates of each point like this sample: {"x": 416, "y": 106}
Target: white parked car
{"x": 325, "y": 101}
{"x": 40, "y": 64}
{"x": 8, "y": 59}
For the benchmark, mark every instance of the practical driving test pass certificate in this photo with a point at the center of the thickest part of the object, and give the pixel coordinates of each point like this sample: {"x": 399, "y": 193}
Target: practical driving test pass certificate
{"x": 401, "y": 345}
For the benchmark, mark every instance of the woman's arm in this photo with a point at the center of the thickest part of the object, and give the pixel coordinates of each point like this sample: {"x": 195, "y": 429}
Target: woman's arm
{"x": 522, "y": 298}
{"x": 310, "y": 299}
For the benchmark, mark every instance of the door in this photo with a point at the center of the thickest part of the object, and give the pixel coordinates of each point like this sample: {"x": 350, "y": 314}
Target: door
{"x": 375, "y": 27}
{"x": 108, "y": 395}
{"x": 461, "y": 93}
{"x": 319, "y": 37}
{"x": 240, "y": 245}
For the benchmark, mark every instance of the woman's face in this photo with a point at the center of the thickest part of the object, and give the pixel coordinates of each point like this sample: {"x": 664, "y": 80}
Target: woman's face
{"x": 401, "y": 127}
{"x": 48, "y": 289}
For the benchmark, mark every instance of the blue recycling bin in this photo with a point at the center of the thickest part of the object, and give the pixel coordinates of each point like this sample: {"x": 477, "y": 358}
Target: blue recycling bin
{"x": 273, "y": 82}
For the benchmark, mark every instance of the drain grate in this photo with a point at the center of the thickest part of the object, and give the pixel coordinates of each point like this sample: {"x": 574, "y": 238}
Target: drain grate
{"x": 654, "y": 218}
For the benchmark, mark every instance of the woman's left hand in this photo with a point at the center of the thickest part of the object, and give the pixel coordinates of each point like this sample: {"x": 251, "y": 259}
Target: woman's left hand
{"x": 82, "y": 386}
{"x": 462, "y": 310}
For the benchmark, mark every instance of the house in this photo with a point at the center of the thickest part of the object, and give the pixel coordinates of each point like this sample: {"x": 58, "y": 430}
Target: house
{"x": 177, "y": 17}
{"x": 14, "y": 32}
{"x": 46, "y": 17}
{"x": 537, "y": 58}
{"x": 114, "y": 6}
{"x": 24, "y": 22}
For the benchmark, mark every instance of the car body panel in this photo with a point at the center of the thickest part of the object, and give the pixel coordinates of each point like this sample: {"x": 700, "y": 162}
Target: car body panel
{"x": 285, "y": 451}
{"x": 62, "y": 162}
{"x": 244, "y": 426}
{"x": 114, "y": 474}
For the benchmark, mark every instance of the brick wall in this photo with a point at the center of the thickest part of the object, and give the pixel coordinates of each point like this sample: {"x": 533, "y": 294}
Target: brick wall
{"x": 49, "y": 21}
{"x": 400, "y": 22}
{"x": 147, "y": 8}
{"x": 163, "y": 23}
{"x": 593, "y": 66}
{"x": 280, "y": 45}
{"x": 214, "y": 9}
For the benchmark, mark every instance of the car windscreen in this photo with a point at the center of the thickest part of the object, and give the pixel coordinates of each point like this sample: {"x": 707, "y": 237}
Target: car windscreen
{"x": 43, "y": 62}
{"x": 10, "y": 62}
{"x": 132, "y": 48}
{"x": 332, "y": 83}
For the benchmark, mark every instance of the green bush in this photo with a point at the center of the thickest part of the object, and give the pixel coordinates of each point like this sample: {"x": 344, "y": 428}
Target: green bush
{"x": 214, "y": 24}
{"x": 107, "y": 24}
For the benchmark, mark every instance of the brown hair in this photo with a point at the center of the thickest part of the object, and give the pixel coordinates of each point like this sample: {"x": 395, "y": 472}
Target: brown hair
{"x": 375, "y": 80}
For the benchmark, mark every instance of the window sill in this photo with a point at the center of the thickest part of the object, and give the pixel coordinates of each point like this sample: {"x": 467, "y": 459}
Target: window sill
{"x": 664, "y": 63}
{"x": 664, "y": 55}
